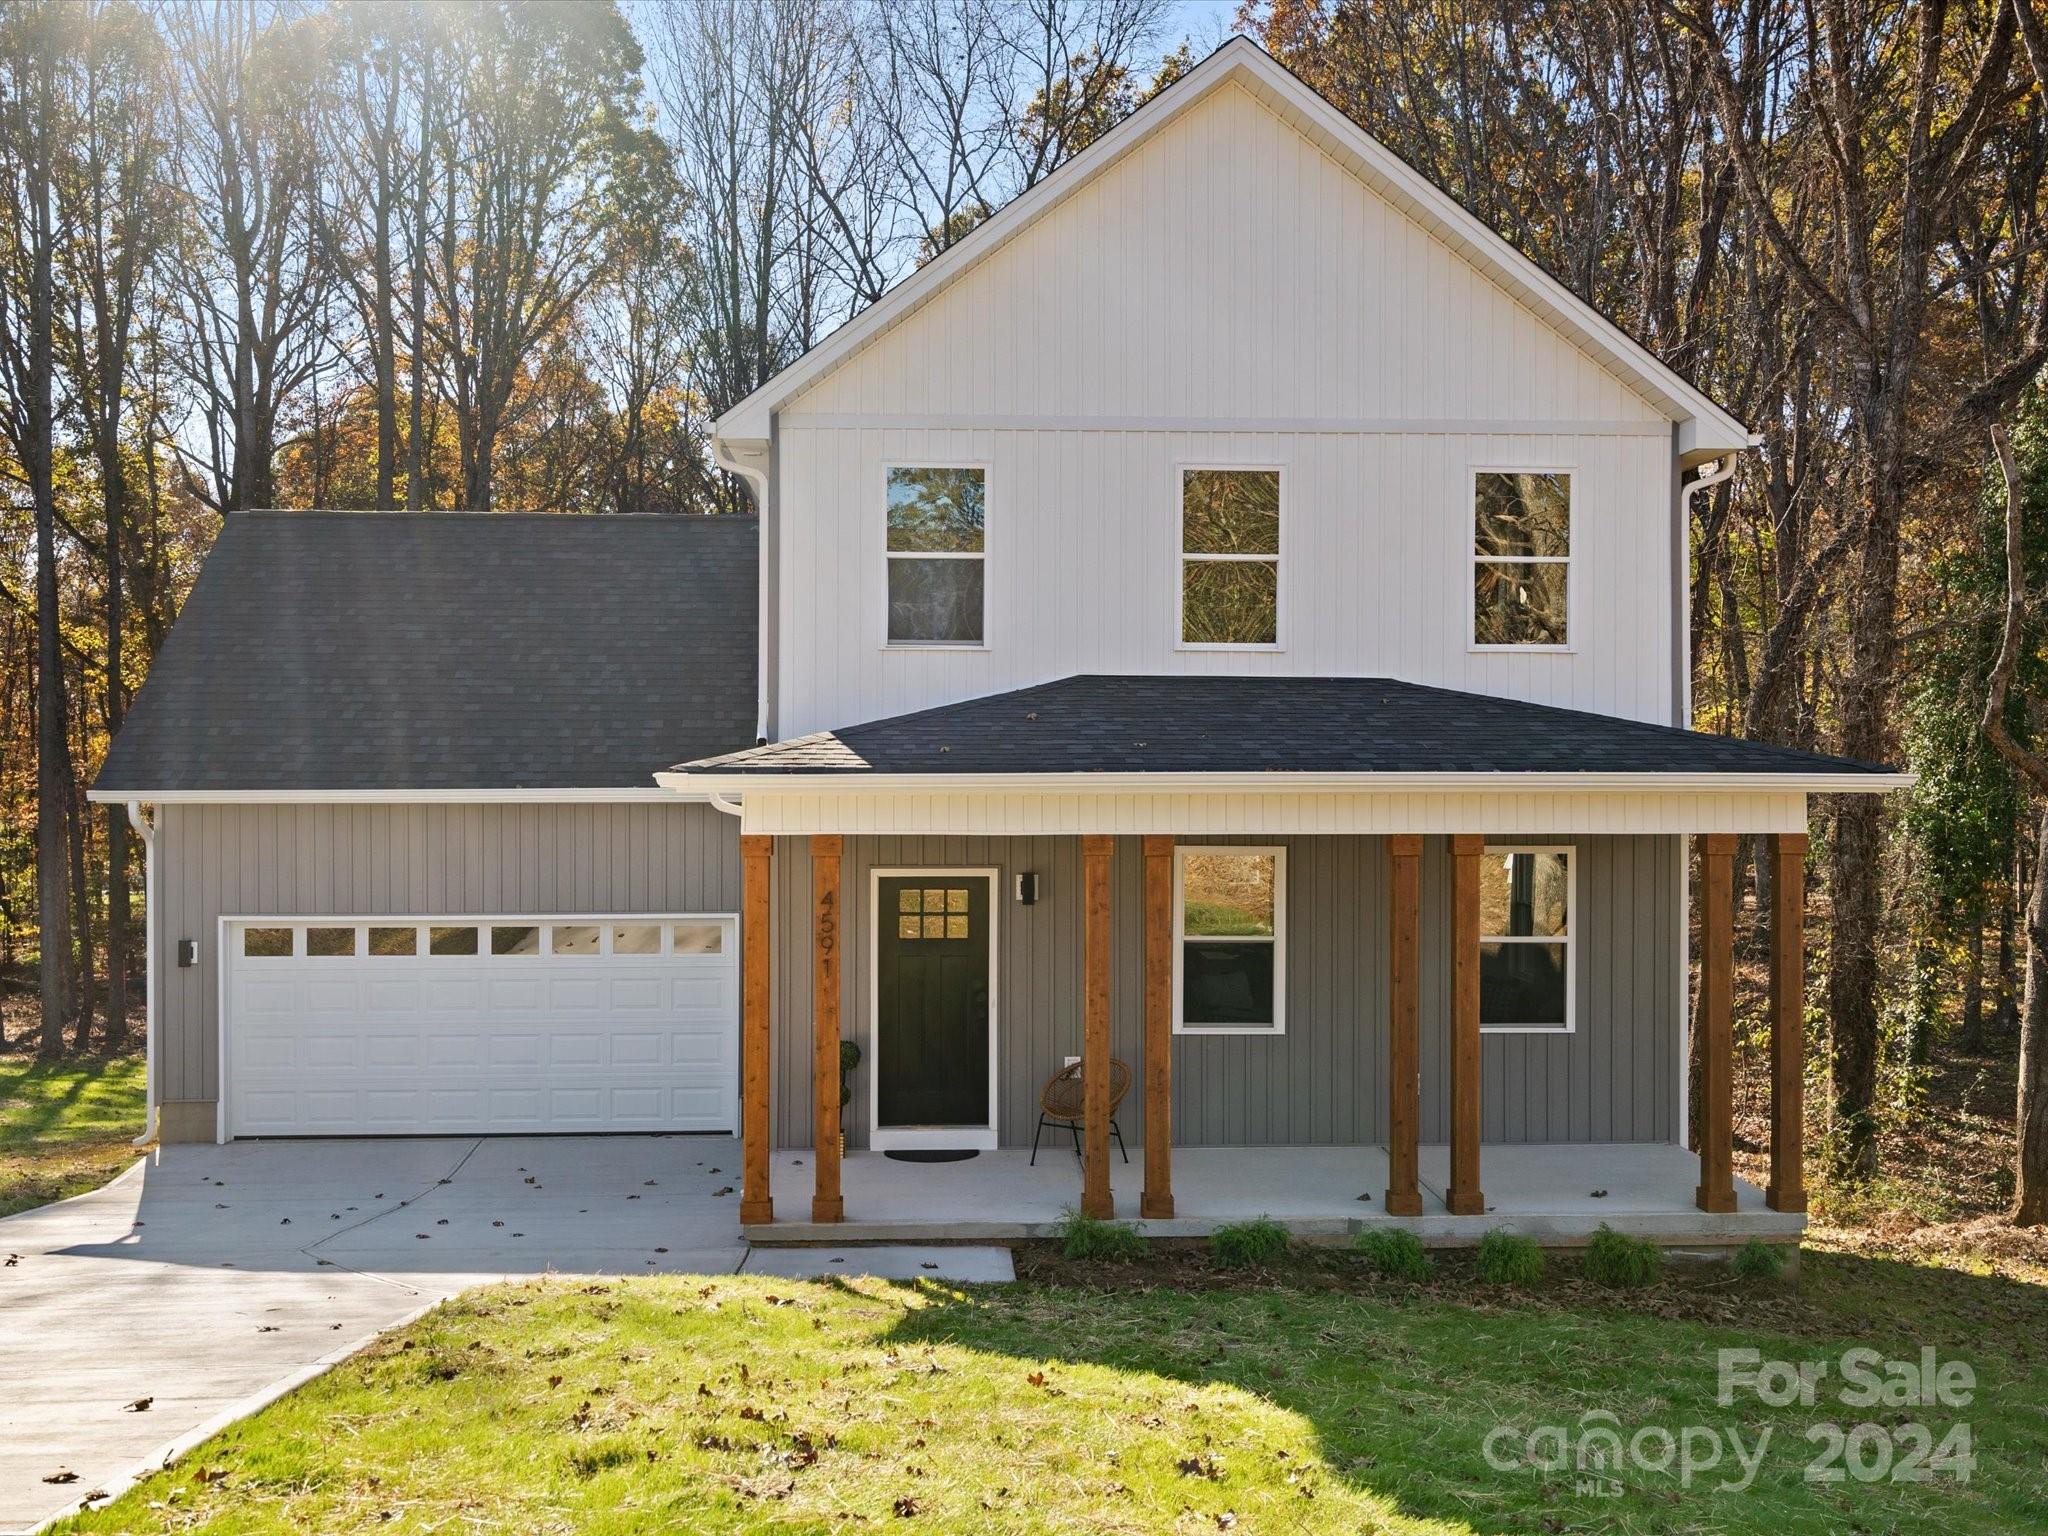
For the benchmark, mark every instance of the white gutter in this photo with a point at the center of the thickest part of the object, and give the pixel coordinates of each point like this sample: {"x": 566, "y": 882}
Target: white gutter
{"x": 729, "y": 807}
{"x": 147, "y": 832}
{"x": 718, "y": 786}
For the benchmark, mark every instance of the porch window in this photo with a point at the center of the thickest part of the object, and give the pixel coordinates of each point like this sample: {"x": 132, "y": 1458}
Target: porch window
{"x": 1525, "y": 940}
{"x": 1521, "y": 559}
{"x": 1230, "y": 558}
{"x": 937, "y": 517}
{"x": 1230, "y": 941}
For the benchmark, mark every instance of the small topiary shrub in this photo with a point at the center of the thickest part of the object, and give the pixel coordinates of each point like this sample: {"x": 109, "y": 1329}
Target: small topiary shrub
{"x": 1243, "y": 1244}
{"x": 1759, "y": 1260}
{"x": 1395, "y": 1253}
{"x": 1089, "y": 1237}
{"x": 1622, "y": 1262}
{"x": 1505, "y": 1259}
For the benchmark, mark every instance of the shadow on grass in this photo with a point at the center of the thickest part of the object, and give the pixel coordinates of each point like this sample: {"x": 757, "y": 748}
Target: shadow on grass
{"x": 39, "y": 1102}
{"x": 1402, "y": 1392}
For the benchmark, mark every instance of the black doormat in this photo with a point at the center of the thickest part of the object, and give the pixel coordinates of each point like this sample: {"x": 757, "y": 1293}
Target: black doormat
{"x": 934, "y": 1155}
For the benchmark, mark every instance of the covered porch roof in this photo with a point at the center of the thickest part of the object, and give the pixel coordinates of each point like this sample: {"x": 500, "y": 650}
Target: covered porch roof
{"x": 1140, "y": 754}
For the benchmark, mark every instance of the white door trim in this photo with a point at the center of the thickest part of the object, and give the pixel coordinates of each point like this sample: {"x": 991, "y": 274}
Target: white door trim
{"x": 957, "y": 1137}
{"x": 228, "y": 924}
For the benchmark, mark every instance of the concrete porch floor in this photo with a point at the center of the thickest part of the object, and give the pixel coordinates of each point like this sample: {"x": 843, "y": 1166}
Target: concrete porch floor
{"x": 1556, "y": 1194}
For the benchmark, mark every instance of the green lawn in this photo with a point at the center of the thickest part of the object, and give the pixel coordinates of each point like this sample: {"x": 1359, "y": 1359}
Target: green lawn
{"x": 1322, "y": 1401}
{"x": 65, "y": 1125}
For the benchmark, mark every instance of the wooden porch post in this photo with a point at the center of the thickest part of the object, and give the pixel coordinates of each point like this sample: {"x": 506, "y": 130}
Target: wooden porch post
{"x": 1787, "y": 1189}
{"x": 755, "y": 1205}
{"x": 1156, "y": 1204}
{"x": 1404, "y": 1034}
{"x": 1096, "y": 1200}
{"x": 1717, "y": 1054}
{"x": 826, "y": 933}
{"x": 1464, "y": 1197}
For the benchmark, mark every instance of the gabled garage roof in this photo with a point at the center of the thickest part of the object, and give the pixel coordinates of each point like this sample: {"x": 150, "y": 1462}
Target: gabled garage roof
{"x": 1704, "y": 428}
{"x": 377, "y": 653}
{"x": 1267, "y": 732}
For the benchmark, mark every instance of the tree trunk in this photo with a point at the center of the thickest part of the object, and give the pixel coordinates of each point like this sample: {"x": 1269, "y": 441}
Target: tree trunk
{"x": 2030, "y": 1202}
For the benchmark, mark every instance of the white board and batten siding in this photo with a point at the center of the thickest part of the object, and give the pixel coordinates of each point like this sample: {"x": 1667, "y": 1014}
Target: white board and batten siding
{"x": 1226, "y": 293}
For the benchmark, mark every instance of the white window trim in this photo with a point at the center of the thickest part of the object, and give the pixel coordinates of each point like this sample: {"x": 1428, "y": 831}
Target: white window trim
{"x": 980, "y": 1138}
{"x": 1181, "y": 557}
{"x": 889, "y": 555}
{"x": 1278, "y": 853}
{"x": 1475, "y": 559}
{"x": 1570, "y": 940}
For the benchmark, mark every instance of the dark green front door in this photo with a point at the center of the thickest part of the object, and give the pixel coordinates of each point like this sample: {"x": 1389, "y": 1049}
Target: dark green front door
{"x": 931, "y": 995}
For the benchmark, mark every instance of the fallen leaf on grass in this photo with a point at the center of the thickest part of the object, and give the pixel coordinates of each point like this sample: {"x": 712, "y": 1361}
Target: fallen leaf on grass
{"x": 907, "y": 1507}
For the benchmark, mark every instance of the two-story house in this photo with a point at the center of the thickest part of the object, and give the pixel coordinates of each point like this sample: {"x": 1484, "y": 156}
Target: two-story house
{"x": 1209, "y": 675}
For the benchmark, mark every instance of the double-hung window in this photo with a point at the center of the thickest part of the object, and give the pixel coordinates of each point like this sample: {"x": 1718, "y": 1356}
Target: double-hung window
{"x": 1230, "y": 558}
{"x": 1230, "y": 941}
{"x": 1521, "y": 559}
{"x": 936, "y": 549}
{"x": 1525, "y": 940}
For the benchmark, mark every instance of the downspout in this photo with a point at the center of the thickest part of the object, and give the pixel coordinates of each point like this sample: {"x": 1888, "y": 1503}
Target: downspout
{"x": 720, "y": 803}
{"x": 147, "y": 831}
{"x": 757, "y": 482}
{"x": 1713, "y": 472}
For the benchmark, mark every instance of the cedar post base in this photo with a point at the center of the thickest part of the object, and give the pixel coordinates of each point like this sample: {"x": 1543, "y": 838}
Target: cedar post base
{"x": 1403, "y": 1203}
{"x": 756, "y": 1213}
{"x": 1155, "y": 1207}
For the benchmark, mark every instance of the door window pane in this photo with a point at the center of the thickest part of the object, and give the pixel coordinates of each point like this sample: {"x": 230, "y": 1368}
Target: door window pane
{"x": 515, "y": 941}
{"x": 699, "y": 938}
{"x": 327, "y": 942}
{"x": 573, "y": 939}
{"x": 636, "y": 938}
{"x": 269, "y": 943}
{"x": 394, "y": 941}
{"x": 452, "y": 941}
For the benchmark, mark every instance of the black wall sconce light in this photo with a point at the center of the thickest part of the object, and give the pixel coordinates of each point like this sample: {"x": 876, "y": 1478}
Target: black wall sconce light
{"x": 1027, "y": 889}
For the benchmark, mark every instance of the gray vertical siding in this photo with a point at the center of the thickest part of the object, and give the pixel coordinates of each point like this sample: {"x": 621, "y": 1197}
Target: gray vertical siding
{"x": 314, "y": 860}
{"x": 1324, "y": 1082}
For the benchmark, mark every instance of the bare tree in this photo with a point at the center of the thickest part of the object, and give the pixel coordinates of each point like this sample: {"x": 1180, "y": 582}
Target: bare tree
{"x": 110, "y": 187}
{"x": 254, "y": 273}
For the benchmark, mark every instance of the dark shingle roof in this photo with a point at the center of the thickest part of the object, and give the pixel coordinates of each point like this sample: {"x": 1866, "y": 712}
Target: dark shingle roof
{"x": 1314, "y": 725}
{"x": 449, "y": 651}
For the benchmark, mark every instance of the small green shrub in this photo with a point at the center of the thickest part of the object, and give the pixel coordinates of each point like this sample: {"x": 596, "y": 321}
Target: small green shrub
{"x": 1395, "y": 1253}
{"x": 1243, "y": 1244}
{"x": 1622, "y": 1262}
{"x": 1759, "y": 1260}
{"x": 1090, "y": 1237}
{"x": 1505, "y": 1259}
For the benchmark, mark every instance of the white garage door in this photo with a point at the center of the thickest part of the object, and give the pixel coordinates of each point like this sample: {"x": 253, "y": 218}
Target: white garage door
{"x": 378, "y": 1026}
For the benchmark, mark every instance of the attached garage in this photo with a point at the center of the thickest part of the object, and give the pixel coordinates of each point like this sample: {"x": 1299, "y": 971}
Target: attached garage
{"x": 464, "y": 1026}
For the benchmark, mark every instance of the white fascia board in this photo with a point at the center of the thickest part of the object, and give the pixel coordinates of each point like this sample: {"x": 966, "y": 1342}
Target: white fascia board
{"x": 740, "y": 784}
{"x": 652, "y": 795}
{"x": 1712, "y": 428}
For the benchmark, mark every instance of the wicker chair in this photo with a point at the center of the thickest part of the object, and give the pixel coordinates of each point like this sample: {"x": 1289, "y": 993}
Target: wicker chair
{"x": 1060, "y": 1104}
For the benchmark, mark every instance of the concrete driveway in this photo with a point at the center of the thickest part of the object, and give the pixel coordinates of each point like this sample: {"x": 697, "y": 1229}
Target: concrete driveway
{"x": 207, "y": 1279}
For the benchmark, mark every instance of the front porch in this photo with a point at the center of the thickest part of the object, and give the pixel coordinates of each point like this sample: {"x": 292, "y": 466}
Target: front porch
{"x": 1320, "y": 1193}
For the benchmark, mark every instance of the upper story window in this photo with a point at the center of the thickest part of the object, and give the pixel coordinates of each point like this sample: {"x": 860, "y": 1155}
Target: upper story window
{"x": 1230, "y": 941}
{"x": 1230, "y": 557}
{"x": 1525, "y": 940}
{"x": 1521, "y": 558}
{"x": 937, "y": 524}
